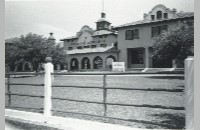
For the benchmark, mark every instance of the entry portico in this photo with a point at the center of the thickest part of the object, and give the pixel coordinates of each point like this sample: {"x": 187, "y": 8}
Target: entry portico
{"x": 92, "y": 61}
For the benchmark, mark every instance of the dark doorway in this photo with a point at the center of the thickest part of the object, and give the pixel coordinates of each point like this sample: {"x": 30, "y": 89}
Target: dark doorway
{"x": 74, "y": 64}
{"x": 85, "y": 64}
{"x": 98, "y": 63}
{"x": 109, "y": 61}
{"x": 136, "y": 57}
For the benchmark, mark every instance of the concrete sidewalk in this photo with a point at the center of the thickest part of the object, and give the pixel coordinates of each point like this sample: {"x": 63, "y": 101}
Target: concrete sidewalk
{"x": 55, "y": 123}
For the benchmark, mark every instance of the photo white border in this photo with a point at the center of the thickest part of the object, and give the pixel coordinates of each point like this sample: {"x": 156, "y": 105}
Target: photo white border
{"x": 196, "y": 67}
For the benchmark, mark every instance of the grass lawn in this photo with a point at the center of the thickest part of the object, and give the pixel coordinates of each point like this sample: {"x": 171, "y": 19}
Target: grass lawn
{"x": 140, "y": 117}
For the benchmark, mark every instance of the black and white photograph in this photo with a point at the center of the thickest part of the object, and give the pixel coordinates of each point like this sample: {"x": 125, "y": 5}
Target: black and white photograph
{"x": 99, "y": 64}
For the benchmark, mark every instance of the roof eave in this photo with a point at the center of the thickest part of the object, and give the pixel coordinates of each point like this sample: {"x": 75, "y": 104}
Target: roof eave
{"x": 116, "y": 28}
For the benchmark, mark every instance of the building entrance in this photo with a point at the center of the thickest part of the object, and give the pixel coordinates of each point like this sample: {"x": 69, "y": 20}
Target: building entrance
{"x": 74, "y": 64}
{"x": 136, "y": 57}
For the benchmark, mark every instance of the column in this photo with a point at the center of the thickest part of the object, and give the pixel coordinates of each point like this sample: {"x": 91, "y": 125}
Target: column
{"x": 79, "y": 65}
{"x": 146, "y": 57}
{"x": 189, "y": 93}
{"x": 69, "y": 65}
{"x": 91, "y": 64}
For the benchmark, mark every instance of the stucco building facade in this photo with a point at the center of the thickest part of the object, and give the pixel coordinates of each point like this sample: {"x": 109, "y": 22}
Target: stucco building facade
{"x": 130, "y": 43}
{"x": 92, "y": 49}
{"x": 136, "y": 39}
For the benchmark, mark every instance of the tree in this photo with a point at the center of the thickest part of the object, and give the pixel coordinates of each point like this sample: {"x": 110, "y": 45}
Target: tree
{"x": 175, "y": 44}
{"x": 34, "y": 48}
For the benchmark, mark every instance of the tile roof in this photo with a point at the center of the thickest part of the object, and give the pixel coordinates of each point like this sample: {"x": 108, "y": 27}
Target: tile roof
{"x": 73, "y": 37}
{"x": 102, "y": 32}
{"x": 178, "y": 15}
{"x": 96, "y": 33}
{"x": 90, "y": 50}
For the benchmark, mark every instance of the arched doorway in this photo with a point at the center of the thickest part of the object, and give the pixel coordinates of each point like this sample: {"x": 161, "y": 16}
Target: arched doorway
{"x": 98, "y": 62}
{"x": 27, "y": 66}
{"x": 74, "y": 64}
{"x": 109, "y": 60}
{"x": 85, "y": 64}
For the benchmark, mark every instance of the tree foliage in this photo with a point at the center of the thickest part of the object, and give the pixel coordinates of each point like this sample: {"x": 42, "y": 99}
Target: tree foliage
{"x": 175, "y": 44}
{"x": 34, "y": 48}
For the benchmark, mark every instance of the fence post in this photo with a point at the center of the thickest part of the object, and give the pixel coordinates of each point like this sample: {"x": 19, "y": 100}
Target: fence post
{"x": 48, "y": 67}
{"x": 189, "y": 89}
{"x": 8, "y": 89}
{"x": 104, "y": 94}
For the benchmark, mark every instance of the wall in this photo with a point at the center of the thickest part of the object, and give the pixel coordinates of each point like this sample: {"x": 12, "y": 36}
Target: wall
{"x": 145, "y": 39}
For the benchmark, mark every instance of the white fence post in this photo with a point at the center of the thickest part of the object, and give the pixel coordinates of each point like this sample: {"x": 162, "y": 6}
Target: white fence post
{"x": 189, "y": 89}
{"x": 48, "y": 67}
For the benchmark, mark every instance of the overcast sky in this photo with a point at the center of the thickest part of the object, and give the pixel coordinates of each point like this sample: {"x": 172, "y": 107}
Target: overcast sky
{"x": 66, "y": 17}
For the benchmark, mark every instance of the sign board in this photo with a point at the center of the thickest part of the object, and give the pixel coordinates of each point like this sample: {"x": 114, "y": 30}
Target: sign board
{"x": 118, "y": 66}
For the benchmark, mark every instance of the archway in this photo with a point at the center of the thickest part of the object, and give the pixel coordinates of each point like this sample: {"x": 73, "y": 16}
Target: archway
{"x": 74, "y": 64}
{"x": 85, "y": 64}
{"x": 98, "y": 62}
{"x": 27, "y": 66}
{"x": 109, "y": 60}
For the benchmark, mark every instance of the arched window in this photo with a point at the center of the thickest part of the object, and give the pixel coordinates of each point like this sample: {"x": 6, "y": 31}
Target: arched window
{"x": 98, "y": 62}
{"x": 74, "y": 64}
{"x": 109, "y": 61}
{"x": 159, "y": 14}
{"x": 85, "y": 64}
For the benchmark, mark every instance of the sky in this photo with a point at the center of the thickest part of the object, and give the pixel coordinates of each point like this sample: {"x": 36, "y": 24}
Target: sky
{"x": 66, "y": 17}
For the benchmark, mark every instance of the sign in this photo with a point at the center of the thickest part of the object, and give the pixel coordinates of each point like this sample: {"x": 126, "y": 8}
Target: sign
{"x": 118, "y": 66}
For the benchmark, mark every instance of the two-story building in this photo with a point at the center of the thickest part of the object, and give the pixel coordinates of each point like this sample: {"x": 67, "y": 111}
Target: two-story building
{"x": 135, "y": 39}
{"x": 130, "y": 43}
{"x": 92, "y": 49}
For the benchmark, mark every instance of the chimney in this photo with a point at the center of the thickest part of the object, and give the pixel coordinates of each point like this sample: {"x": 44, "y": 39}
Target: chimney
{"x": 174, "y": 11}
{"x": 144, "y": 16}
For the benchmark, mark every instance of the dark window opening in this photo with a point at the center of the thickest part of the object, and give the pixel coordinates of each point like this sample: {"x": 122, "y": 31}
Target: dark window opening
{"x": 132, "y": 34}
{"x": 159, "y": 14}
{"x": 152, "y": 17}
{"x": 137, "y": 56}
{"x": 87, "y": 46}
{"x": 136, "y": 34}
{"x": 93, "y": 46}
{"x": 98, "y": 62}
{"x": 103, "y": 45}
{"x": 79, "y": 47}
{"x": 165, "y": 15}
{"x": 129, "y": 35}
{"x": 155, "y": 31}
{"x": 70, "y": 48}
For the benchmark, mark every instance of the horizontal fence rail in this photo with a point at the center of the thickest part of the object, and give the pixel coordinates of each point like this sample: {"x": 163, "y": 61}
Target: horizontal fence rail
{"x": 104, "y": 87}
{"x": 20, "y": 74}
{"x": 119, "y": 73}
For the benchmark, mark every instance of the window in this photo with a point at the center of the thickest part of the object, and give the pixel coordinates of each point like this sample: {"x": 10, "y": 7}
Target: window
{"x": 103, "y": 45}
{"x": 159, "y": 14}
{"x": 155, "y": 31}
{"x": 100, "y": 36}
{"x": 87, "y": 46}
{"x": 70, "y": 48}
{"x": 152, "y": 17}
{"x": 129, "y": 35}
{"x": 93, "y": 46}
{"x": 79, "y": 47}
{"x": 132, "y": 34}
{"x": 137, "y": 56}
{"x": 136, "y": 34}
{"x": 165, "y": 15}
